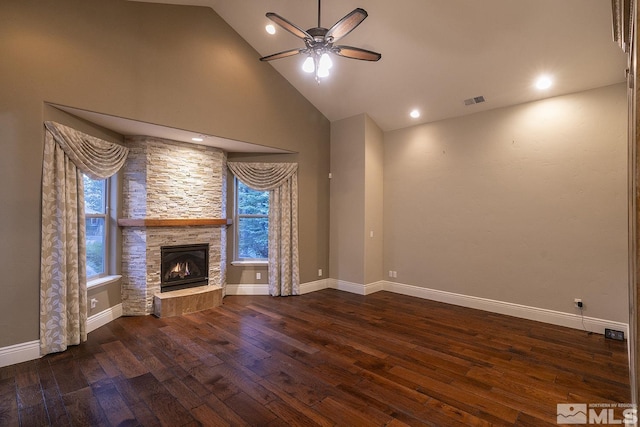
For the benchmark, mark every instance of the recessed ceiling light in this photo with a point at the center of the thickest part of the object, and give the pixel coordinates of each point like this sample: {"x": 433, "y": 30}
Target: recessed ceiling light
{"x": 197, "y": 139}
{"x": 544, "y": 82}
{"x": 271, "y": 29}
{"x": 415, "y": 114}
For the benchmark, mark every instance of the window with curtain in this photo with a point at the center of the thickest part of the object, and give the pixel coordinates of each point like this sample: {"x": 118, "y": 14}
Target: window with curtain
{"x": 96, "y": 208}
{"x": 252, "y": 223}
{"x": 68, "y": 155}
{"x": 280, "y": 180}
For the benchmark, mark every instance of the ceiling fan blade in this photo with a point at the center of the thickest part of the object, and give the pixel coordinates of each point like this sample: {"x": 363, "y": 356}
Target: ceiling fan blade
{"x": 356, "y": 53}
{"x": 292, "y": 28}
{"x": 283, "y": 54}
{"x": 346, "y": 25}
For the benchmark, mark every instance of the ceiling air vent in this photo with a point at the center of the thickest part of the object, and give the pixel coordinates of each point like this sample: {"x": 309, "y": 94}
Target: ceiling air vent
{"x": 476, "y": 100}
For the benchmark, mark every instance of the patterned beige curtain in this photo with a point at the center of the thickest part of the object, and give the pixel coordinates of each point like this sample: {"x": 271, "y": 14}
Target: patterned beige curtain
{"x": 281, "y": 179}
{"x": 63, "y": 284}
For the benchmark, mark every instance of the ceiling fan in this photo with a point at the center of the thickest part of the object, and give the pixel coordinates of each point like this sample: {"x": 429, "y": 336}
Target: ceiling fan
{"x": 320, "y": 41}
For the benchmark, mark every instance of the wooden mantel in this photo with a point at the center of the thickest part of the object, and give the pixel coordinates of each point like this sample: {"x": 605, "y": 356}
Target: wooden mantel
{"x": 187, "y": 222}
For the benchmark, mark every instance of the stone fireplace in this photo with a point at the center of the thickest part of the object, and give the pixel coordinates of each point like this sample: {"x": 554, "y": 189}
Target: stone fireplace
{"x": 173, "y": 195}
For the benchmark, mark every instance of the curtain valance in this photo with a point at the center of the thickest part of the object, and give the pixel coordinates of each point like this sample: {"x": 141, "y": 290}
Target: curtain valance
{"x": 263, "y": 176}
{"x": 95, "y": 157}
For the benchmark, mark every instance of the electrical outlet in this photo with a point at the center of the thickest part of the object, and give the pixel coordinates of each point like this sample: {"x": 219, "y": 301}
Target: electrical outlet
{"x": 319, "y": 272}
{"x": 390, "y": 273}
{"x": 258, "y": 276}
{"x": 613, "y": 334}
{"x": 395, "y": 274}
{"x": 578, "y": 303}
{"x": 94, "y": 302}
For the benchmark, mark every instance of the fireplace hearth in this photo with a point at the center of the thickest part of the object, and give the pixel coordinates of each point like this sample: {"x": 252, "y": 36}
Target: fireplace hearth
{"x": 184, "y": 266}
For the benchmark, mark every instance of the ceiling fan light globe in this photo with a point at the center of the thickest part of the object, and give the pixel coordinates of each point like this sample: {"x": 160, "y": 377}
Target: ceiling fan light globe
{"x": 309, "y": 66}
{"x": 325, "y": 62}
{"x": 323, "y": 72}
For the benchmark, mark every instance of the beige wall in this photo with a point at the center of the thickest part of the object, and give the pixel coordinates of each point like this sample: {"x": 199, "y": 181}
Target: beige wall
{"x": 356, "y": 200}
{"x": 346, "y": 255}
{"x": 106, "y": 296}
{"x": 172, "y": 65}
{"x": 373, "y": 202}
{"x": 526, "y": 204}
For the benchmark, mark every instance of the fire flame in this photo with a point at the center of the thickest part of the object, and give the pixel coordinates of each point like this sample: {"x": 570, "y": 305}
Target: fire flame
{"x": 182, "y": 268}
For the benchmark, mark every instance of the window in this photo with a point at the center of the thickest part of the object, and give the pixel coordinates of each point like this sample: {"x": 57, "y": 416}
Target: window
{"x": 252, "y": 223}
{"x": 96, "y": 196}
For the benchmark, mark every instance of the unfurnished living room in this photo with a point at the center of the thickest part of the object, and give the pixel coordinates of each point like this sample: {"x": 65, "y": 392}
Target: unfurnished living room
{"x": 303, "y": 212}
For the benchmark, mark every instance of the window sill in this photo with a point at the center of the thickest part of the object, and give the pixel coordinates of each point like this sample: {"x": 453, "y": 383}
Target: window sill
{"x": 103, "y": 281}
{"x": 252, "y": 263}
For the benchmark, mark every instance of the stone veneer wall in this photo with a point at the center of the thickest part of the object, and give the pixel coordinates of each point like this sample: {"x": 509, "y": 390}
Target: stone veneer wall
{"x": 165, "y": 179}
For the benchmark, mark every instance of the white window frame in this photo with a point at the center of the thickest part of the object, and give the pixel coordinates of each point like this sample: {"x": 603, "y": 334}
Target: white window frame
{"x": 107, "y": 233}
{"x": 236, "y": 221}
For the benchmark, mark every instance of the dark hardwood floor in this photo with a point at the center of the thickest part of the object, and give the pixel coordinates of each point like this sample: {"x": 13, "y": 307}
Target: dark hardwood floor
{"x": 326, "y": 358}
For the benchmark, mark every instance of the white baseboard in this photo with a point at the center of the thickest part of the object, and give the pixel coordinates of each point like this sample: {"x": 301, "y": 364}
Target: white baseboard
{"x": 247, "y": 289}
{"x": 255, "y": 289}
{"x": 552, "y": 317}
{"x": 343, "y": 285}
{"x": 356, "y": 288}
{"x": 559, "y": 318}
{"x": 19, "y": 353}
{"x": 371, "y": 288}
{"x": 104, "y": 317}
{"x": 510, "y": 309}
{"x": 318, "y": 285}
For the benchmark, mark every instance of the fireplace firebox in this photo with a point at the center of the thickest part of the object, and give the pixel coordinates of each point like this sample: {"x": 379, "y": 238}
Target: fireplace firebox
{"x": 184, "y": 266}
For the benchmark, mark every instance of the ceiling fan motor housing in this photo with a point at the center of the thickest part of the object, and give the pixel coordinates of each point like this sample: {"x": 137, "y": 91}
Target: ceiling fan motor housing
{"x": 318, "y": 44}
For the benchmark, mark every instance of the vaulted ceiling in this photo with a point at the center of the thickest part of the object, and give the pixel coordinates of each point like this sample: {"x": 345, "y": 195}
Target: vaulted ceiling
{"x": 436, "y": 54}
